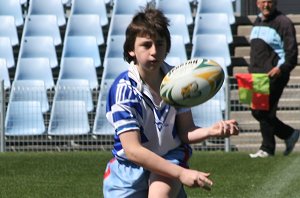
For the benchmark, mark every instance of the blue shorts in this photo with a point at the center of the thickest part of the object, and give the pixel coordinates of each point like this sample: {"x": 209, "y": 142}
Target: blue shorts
{"x": 123, "y": 178}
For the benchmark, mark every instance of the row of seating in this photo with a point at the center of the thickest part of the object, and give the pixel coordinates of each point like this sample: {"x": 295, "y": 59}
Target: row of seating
{"x": 79, "y": 60}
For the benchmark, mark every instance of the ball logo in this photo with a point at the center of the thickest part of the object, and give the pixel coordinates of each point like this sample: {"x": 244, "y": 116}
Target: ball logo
{"x": 190, "y": 90}
{"x": 192, "y": 83}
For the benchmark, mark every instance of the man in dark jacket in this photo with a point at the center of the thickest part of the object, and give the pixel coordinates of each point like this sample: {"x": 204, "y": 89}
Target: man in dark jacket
{"x": 273, "y": 51}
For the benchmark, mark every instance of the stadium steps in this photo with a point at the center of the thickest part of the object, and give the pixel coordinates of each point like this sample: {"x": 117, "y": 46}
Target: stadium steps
{"x": 251, "y": 142}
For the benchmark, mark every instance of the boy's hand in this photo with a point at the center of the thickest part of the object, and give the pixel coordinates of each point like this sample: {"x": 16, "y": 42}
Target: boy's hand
{"x": 224, "y": 128}
{"x": 193, "y": 178}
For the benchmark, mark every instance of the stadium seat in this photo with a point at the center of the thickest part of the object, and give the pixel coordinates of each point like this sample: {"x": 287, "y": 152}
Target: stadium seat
{"x": 209, "y": 6}
{"x": 97, "y": 7}
{"x": 68, "y": 118}
{"x": 85, "y": 25}
{"x": 12, "y": 8}
{"x": 6, "y": 52}
{"x": 101, "y": 124}
{"x": 43, "y": 25}
{"x": 177, "y": 48}
{"x": 178, "y": 26}
{"x": 74, "y": 90}
{"x": 4, "y": 75}
{"x": 79, "y": 68}
{"x": 8, "y": 29}
{"x": 53, "y": 7}
{"x": 30, "y": 90}
{"x": 35, "y": 69}
{"x": 130, "y": 7}
{"x": 211, "y": 45}
{"x": 208, "y": 113}
{"x": 114, "y": 47}
{"x": 82, "y": 46}
{"x": 113, "y": 67}
{"x": 104, "y": 89}
{"x": 180, "y": 7}
{"x": 118, "y": 24}
{"x": 173, "y": 61}
{"x": 39, "y": 47}
{"x": 24, "y": 118}
{"x": 203, "y": 25}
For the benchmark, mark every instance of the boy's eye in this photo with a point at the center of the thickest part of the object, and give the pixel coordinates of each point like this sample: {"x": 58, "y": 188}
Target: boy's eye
{"x": 147, "y": 44}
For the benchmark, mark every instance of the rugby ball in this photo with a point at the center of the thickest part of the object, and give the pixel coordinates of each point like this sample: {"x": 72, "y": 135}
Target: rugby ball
{"x": 192, "y": 83}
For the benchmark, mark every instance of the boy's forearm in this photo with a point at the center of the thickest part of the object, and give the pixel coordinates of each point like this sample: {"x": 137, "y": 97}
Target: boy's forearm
{"x": 154, "y": 163}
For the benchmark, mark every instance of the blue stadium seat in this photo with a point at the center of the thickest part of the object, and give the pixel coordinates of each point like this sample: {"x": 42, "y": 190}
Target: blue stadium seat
{"x": 97, "y": 7}
{"x": 43, "y": 25}
{"x": 82, "y": 46}
{"x": 114, "y": 47}
{"x": 6, "y": 52}
{"x": 118, "y": 24}
{"x": 128, "y": 7}
{"x": 104, "y": 89}
{"x": 203, "y": 25}
{"x": 173, "y": 61}
{"x": 68, "y": 118}
{"x": 53, "y": 7}
{"x": 208, "y": 113}
{"x": 35, "y": 69}
{"x": 39, "y": 47}
{"x": 113, "y": 67}
{"x": 24, "y": 118}
{"x": 12, "y": 8}
{"x": 30, "y": 90}
{"x": 74, "y": 90}
{"x": 79, "y": 68}
{"x": 177, "y": 48}
{"x": 4, "y": 74}
{"x": 178, "y": 26}
{"x": 8, "y": 29}
{"x": 180, "y": 7}
{"x": 211, "y": 45}
{"x": 209, "y": 6}
{"x": 85, "y": 25}
{"x": 101, "y": 124}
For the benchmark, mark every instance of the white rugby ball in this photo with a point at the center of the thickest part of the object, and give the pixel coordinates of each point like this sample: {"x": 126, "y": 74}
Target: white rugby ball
{"x": 192, "y": 83}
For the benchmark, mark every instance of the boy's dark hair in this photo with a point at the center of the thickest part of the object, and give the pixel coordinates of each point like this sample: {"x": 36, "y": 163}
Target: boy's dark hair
{"x": 148, "y": 22}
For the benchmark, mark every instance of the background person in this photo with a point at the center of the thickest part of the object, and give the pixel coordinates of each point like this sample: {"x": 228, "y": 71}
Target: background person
{"x": 273, "y": 51}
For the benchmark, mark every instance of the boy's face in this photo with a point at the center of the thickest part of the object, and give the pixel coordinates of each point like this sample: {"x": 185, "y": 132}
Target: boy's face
{"x": 149, "y": 53}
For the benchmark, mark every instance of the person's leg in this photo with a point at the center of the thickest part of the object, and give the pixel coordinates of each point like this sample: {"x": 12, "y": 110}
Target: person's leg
{"x": 270, "y": 125}
{"x": 124, "y": 179}
{"x": 267, "y": 131}
{"x": 163, "y": 187}
{"x": 281, "y": 130}
{"x": 160, "y": 186}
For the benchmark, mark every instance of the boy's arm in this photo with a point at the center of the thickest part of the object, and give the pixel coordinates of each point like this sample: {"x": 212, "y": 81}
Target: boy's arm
{"x": 189, "y": 133}
{"x": 142, "y": 156}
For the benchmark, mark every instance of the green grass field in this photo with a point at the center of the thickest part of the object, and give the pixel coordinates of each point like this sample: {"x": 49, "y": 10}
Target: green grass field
{"x": 79, "y": 174}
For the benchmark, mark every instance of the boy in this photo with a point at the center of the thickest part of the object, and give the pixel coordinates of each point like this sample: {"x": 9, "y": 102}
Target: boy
{"x": 151, "y": 140}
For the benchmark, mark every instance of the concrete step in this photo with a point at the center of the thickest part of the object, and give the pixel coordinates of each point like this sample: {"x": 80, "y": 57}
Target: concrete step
{"x": 251, "y": 142}
{"x": 249, "y": 20}
{"x": 245, "y": 60}
{"x": 244, "y": 51}
{"x": 244, "y": 69}
{"x": 244, "y": 30}
{"x": 248, "y": 123}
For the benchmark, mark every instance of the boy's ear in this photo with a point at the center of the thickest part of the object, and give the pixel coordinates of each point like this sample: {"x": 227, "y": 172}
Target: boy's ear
{"x": 131, "y": 53}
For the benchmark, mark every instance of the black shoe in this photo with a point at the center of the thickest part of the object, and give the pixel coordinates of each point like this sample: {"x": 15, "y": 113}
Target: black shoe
{"x": 291, "y": 142}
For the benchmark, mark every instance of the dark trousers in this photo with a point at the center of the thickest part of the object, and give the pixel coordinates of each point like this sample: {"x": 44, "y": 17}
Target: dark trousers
{"x": 270, "y": 125}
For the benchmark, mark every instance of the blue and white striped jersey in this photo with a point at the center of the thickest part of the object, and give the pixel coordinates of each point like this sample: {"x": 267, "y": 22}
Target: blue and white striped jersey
{"x": 130, "y": 106}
